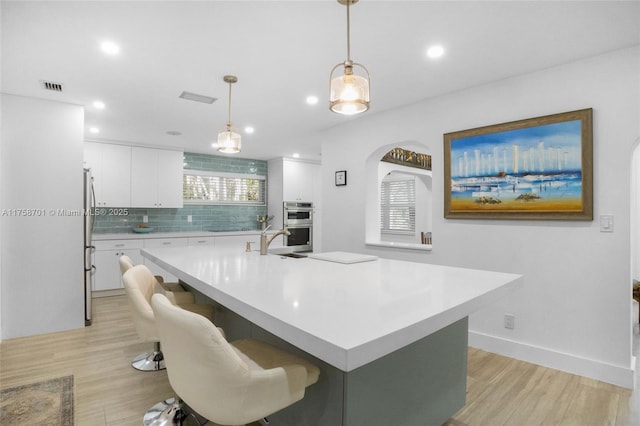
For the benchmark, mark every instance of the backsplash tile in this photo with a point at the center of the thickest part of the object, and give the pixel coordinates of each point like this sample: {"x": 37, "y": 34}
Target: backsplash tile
{"x": 204, "y": 217}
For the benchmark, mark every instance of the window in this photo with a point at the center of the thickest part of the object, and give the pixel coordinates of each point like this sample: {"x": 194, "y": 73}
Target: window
{"x": 223, "y": 188}
{"x": 398, "y": 205}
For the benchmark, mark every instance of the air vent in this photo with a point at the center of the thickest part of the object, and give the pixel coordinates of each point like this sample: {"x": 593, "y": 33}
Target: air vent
{"x": 50, "y": 85}
{"x": 197, "y": 98}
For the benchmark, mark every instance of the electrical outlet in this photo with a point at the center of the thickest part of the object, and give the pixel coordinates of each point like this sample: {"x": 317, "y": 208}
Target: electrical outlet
{"x": 509, "y": 321}
{"x": 189, "y": 218}
{"x": 145, "y": 219}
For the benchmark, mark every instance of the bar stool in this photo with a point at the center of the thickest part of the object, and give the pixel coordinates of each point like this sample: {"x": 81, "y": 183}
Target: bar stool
{"x": 126, "y": 263}
{"x": 226, "y": 383}
{"x": 140, "y": 284}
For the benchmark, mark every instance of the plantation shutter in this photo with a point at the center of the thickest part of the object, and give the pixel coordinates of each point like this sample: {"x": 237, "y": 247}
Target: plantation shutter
{"x": 398, "y": 206}
{"x": 223, "y": 188}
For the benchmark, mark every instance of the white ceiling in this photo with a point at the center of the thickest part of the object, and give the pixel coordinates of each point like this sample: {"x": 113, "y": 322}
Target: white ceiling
{"x": 282, "y": 52}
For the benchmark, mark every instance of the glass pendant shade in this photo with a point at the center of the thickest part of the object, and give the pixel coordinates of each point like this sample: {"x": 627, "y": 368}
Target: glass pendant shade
{"x": 229, "y": 142}
{"x": 349, "y": 93}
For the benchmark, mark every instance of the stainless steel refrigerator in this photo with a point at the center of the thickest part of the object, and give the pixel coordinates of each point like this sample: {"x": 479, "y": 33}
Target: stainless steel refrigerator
{"x": 89, "y": 268}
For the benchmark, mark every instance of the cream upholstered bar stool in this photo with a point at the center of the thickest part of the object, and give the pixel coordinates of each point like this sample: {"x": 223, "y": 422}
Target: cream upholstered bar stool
{"x": 140, "y": 284}
{"x": 126, "y": 263}
{"x": 226, "y": 383}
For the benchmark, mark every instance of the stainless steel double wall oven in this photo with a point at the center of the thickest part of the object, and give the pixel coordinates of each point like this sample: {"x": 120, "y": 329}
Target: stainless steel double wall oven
{"x": 298, "y": 219}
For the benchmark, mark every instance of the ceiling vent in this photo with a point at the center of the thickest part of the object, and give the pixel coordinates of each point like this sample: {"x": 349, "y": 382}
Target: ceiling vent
{"x": 197, "y": 98}
{"x": 50, "y": 85}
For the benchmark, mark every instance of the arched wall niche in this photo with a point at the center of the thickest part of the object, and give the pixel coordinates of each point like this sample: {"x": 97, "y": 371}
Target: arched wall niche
{"x": 375, "y": 171}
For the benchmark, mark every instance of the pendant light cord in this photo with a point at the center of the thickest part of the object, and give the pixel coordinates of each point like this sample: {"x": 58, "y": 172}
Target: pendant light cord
{"x": 348, "y": 33}
{"x": 229, "y": 120}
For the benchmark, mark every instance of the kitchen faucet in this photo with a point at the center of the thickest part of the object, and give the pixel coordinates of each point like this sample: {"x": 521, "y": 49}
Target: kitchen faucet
{"x": 265, "y": 241}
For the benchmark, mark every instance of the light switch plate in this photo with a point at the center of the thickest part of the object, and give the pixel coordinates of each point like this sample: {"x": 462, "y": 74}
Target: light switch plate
{"x": 606, "y": 223}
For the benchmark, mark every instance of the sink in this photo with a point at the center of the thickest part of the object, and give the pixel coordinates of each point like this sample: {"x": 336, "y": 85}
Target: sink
{"x": 293, "y": 255}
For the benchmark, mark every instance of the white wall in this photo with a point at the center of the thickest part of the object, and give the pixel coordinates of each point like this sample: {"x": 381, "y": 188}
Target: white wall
{"x": 573, "y": 310}
{"x": 635, "y": 212}
{"x": 41, "y": 168}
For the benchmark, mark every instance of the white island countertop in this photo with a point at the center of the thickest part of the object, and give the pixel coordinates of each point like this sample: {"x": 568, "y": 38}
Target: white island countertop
{"x": 344, "y": 314}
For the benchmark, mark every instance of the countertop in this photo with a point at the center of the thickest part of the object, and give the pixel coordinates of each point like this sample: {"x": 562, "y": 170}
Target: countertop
{"x": 345, "y": 314}
{"x": 196, "y": 234}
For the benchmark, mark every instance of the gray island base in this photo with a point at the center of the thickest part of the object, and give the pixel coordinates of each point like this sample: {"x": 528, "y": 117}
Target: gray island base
{"x": 421, "y": 384}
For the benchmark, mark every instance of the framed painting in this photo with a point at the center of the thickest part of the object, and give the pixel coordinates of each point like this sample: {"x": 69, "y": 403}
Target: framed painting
{"x": 538, "y": 168}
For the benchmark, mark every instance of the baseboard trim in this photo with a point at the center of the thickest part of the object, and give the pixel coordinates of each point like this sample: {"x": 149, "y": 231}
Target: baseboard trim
{"x": 108, "y": 293}
{"x": 616, "y": 375}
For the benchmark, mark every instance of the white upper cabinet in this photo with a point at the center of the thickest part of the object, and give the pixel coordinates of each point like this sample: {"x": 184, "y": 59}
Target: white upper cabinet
{"x": 111, "y": 170}
{"x": 297, "y": 180}
{"x": 125, "y": 176}
{"x": 156, "y": 178}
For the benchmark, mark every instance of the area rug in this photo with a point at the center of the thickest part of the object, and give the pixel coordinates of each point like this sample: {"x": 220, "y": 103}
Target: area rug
{"x": 49, "y": 403}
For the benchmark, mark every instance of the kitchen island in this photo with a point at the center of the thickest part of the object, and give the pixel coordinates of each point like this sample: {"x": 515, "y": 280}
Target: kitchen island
{"x": 389, "y": 336}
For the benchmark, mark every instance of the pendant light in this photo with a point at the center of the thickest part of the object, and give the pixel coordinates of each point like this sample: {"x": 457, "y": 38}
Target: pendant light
{"x": 229, "y": 141}
{"x": 349, "y": 92}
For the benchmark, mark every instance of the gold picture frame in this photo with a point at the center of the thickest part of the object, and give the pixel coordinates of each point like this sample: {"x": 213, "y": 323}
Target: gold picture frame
{"x": 534, "y": 169}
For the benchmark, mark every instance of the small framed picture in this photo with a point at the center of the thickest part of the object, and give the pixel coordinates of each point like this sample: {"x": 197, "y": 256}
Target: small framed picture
{"x": 341, "y": 178}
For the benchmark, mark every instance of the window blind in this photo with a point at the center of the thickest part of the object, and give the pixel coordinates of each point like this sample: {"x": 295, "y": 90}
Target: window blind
{"x": 398, "y": 206}
{"x": 223, "y": 188}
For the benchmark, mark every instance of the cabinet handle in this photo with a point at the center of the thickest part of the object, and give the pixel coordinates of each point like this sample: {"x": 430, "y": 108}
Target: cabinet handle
{"x": 166, "y": 243}
{"x": 119, "y": 245}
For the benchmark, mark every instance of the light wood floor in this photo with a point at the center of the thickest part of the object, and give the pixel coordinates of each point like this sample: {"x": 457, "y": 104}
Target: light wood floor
{"x": 108, "y": 391}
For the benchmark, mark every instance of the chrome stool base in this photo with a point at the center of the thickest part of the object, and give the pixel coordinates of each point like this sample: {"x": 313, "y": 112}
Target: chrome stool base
{"x": 150, "y": 361}
{"x": 169, "y": 413}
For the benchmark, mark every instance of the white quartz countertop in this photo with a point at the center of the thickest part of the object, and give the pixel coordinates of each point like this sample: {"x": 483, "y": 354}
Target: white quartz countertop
{"x": 345, "y": 314}
{"x": 144, "y": 236}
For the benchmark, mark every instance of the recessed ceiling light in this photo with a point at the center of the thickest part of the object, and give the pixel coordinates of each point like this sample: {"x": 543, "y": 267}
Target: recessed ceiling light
{"x": 98, "y": 105}
{"x": 249, "y": 130}
{"x": 312, "y": 100}
{"x": 435, "y": 51}
{"x": 94, "y": 130}
{"x": 296, "y": 155}
{"x": 110, "y": 48}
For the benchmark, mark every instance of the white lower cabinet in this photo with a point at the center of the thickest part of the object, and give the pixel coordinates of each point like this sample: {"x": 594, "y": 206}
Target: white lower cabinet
{"x": 163, "y": 243}
{"x": 106, "y": 259}
{"x": 201, "y": 241}
{"x": 107, "y": 254}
